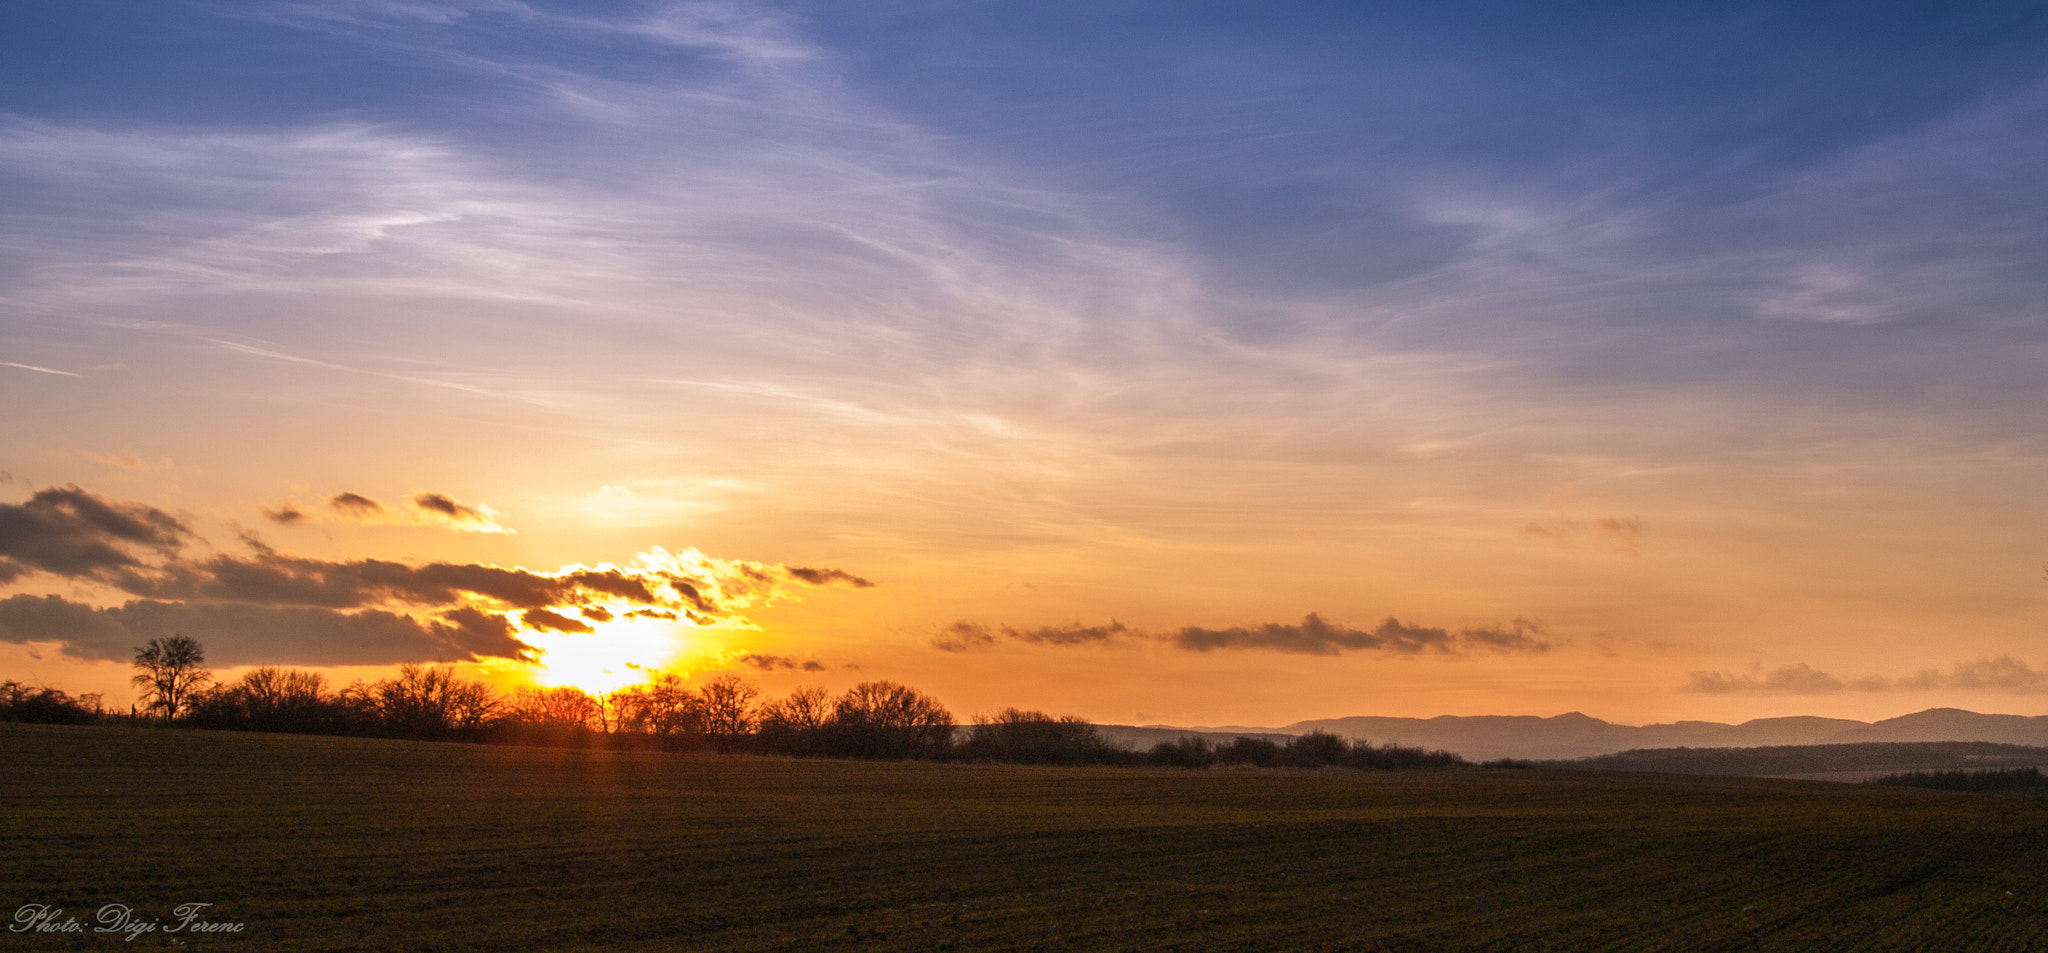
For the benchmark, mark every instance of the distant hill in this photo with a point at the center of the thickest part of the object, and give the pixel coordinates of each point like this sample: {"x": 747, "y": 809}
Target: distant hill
{"x": 1575, "y": 735}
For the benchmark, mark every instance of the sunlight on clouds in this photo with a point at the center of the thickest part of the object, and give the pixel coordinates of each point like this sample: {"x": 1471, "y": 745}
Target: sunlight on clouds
{"x": 621, "y": 652}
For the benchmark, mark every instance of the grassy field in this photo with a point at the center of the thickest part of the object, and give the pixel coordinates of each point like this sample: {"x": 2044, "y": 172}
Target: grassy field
{"x": 344, "y": 844}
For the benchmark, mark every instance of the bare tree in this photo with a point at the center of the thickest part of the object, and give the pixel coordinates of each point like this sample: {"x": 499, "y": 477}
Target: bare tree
{"x": 796, "y": 724}
{"x": 564, "y": 707}
{"x": 664, "y": 707}
{"x": 168, "y": 671}
{"x": 1034, "y": 737}
{"x": 888, "y": 720}
{"x": 728, "y": 706}
{"x": 285, "y": 699}
{"x": 429, "y": 701}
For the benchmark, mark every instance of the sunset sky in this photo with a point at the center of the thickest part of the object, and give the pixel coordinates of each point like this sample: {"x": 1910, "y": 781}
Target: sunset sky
{"x": 1158, "y": 362}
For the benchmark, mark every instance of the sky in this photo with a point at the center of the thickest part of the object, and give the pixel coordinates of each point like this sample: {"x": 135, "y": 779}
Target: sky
{"x": 1158, "y": 362}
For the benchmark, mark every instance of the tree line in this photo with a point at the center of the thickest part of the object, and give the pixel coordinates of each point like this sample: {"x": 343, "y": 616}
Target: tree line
{"x": 872, "y": 720}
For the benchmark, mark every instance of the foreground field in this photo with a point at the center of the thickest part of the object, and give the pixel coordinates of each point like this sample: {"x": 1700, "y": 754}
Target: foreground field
{"x": 348, "y": 844}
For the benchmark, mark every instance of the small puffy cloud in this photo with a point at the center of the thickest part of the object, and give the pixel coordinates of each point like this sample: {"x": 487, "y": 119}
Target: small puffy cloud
{"x": 966, "y": 636}
{"x": 1626, "y": 533}
{"x": 356, "y": 506}
{"x": 770, "y": 663}
{"x": 285, "y": 514}
{"x": 963, "y": 637}
{"x": 595, "y": 613}
{"x": 444, "y": 510}
{"x": 1800, "y": 679}
{"x": 1521, "y": 635}
{"x": 1072, "y": 633}
{"x": 2004, "y": 673}
{"x": 820, "y": 577}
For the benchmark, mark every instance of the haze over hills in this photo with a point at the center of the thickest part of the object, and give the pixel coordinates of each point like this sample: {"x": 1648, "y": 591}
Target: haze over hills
{"x": 1575, "y": 735}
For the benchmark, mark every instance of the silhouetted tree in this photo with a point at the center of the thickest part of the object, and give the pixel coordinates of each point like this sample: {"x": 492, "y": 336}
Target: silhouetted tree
{"x": 728, "y": 702}
{"x": 888, "y": 720}
{"x": 1192, "y": 751}
{"x": 429, "y": 701}
{"x": 1034, "y": 737}
{"x": 168, "y": 671}
{"x": 1316, "y": 749}
{"x": 1393, "y": 757}
{"x": 287, "y": 699}
{"x": 795, "y": 724}
{"x": 563, "y": 707}
{"x": 1244, "y": 749}
{"x": 664, "y": 708}
{"x": 46, "y": 706}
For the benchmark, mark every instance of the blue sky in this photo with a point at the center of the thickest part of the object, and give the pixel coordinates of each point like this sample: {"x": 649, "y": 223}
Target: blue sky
{"x": 1131, "y": 296}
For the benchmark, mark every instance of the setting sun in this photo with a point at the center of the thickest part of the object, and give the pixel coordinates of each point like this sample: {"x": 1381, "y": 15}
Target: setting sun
{"x": 617, "y": 654}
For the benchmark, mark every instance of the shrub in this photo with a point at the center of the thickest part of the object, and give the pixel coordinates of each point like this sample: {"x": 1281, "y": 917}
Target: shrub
{"x": 46, "y": 706}
{"x": 1192, "y": 751}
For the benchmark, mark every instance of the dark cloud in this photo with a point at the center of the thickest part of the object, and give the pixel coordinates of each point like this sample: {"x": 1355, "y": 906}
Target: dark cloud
{"x": 237, "y": 634}
{"x": 356, "y": 506}
{"x": 547, "y": 621}
{"x": 1517, "y": 636}
{"x": 431, "y": 610}
{"x": 963, "y": 637}
{"x": 71, "y": 532}
{"x": 1073, "y": 633}
{"x": 446, "y": 509}
{"x": 968, "y": 636}
{"x": 769, "y": 663}
{"x": 819, "y": 577}
{"x": 86, "y": 632}
{"x": 285, "y": 514}
{"x": 278, "y": 579}
{"x": 1312, "y": 636}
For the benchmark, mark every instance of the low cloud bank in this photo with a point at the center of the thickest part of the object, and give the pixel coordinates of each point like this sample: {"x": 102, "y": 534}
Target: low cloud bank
{"x": 2004, "y": 673}
{"x": 1313, "y": 635}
